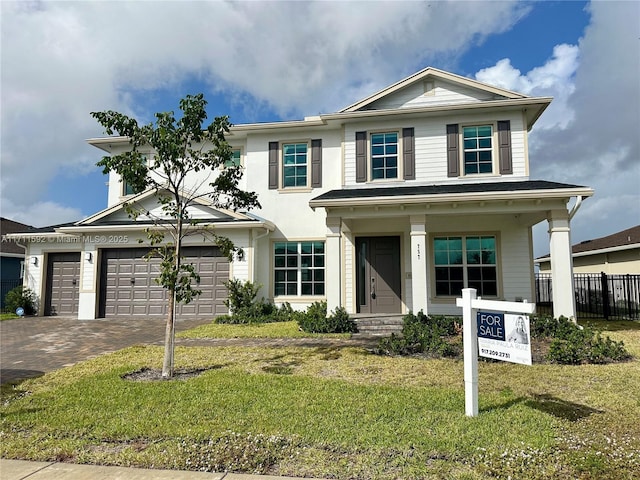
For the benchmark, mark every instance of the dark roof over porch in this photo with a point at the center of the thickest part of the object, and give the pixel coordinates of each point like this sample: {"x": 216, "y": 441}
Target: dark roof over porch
{"x": 447, "y": 189}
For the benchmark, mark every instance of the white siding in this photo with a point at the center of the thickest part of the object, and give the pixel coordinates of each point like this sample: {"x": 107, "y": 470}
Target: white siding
{"x": 443, "y": 93}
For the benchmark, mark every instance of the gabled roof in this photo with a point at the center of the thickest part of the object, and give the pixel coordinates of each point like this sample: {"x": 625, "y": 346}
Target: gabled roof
{"x": 434, "y": 73}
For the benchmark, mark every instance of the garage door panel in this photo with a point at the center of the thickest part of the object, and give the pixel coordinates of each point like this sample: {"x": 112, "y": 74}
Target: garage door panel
{"x": 62, "y": 284}
{"x": 144, "y": 297}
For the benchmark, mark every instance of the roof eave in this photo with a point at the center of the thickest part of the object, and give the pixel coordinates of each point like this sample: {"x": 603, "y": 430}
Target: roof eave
{"x": 452, "y": 197}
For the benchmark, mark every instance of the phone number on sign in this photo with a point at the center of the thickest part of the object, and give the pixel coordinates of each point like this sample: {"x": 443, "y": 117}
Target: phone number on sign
{"x": 494, "y": 353}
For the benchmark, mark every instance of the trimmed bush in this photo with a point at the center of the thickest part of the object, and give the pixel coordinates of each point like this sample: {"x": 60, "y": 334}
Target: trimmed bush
{"x": 422, "y": 334}
{"x": 572, "y": 344}
{"x": 20, "y": 297}
{"x": 315, "y": 320}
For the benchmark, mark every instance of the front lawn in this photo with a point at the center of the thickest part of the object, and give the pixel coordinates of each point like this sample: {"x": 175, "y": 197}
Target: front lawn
{"x": 254, "y": 330}
{"x": 334, "y": 413}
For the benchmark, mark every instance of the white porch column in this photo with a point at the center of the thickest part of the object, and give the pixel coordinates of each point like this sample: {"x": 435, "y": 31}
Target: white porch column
{"x": 419, "y": 294}
{"x": 564, "y": 302}
{"x": 333, "y": 259}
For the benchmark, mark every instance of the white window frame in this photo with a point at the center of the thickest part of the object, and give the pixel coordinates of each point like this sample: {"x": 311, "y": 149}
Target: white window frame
{"x": 281, "y": 169}
{"x": 399, "y": 175}
{"x": 299, "y": 268}
{"x": 494, "y": 149}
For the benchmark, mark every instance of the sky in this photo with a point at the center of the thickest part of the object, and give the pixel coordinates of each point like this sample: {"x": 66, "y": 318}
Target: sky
{"x": 263, "y": 61}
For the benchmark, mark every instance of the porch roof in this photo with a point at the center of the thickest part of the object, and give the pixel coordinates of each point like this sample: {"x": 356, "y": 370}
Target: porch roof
{"x": 448, "y": 192}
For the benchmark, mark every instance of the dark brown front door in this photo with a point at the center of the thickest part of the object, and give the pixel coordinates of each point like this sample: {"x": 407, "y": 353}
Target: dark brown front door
{"x": 378, "y": 281}
{"x": 63, "y": 284}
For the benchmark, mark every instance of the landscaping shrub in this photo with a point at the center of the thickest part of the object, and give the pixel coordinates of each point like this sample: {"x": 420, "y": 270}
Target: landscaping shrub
{"x": 20, "y": 297}
{"x": 422, "y": 334}
{"x": 315, "y": 320}
{"x": 572, "y": 344}
{"x": 245, "y": 308}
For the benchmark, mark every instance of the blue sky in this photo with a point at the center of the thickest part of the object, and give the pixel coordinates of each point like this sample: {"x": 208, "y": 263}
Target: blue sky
{"x": 267, "y": 61}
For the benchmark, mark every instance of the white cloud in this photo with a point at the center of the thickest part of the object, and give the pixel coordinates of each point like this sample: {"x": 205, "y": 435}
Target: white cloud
{"x": 62, "y": 60}
{"x": 589, "y": 134}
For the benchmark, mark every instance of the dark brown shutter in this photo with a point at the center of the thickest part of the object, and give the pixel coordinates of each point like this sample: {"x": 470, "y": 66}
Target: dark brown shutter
{"x": 453, "y": 151}
{"x": 408, "y": 154}
{"x": 273, "y": 165}
{"x": 361, "y": 157}
{"x": 316, "y": 163}
{"x": 504, "y": 145}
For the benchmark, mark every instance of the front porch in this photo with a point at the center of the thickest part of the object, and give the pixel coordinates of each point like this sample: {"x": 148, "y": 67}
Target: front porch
{"x": 421, "y": 222}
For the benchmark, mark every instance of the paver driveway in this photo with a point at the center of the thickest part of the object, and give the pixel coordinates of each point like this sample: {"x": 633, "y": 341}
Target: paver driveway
{"x": 29, "y": 347}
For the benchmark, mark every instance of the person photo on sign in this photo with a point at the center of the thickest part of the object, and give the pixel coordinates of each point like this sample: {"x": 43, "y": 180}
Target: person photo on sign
{"x": 519, "y": 333}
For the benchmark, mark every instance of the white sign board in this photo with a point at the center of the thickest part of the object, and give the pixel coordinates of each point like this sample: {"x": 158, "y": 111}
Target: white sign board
{"x": 496, "y": 327}
{"x": 504, "y": 336}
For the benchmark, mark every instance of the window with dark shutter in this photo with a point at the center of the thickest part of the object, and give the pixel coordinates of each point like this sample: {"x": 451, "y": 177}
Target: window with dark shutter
{"x": 361, "y": 157}
{"x": 316, "y": 163}
{"x": 504, "y": 145}
{"x": 453, "y": 151}
{"x": 408, "y": 154}
{"x": 273, "y": 165}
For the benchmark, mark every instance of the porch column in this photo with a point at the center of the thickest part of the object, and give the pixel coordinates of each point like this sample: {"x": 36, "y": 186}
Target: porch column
{"x": 419, "y": 293}
{"x": 333, "y": 258}
{"x": 564, "y": 302}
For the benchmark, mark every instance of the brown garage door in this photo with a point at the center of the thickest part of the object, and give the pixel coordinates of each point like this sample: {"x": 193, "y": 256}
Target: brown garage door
{"x": 128, "y": 287}
{"x": 63, "y": 284}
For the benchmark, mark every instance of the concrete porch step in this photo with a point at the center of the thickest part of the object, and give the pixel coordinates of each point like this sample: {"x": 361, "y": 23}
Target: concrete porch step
{"x": 378, "y": 325}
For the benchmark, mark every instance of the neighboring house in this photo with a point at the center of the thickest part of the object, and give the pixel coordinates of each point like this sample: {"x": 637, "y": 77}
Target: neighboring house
{"x": 393, "y": 204}
{"x": 618, "y": 253}
{"x": 11, "y": 257}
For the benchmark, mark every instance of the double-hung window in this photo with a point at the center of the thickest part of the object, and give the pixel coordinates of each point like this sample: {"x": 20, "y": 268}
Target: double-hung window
{"x": 384, "y": 155}
{"x": 294, "y": 165}
{"x": 465, "y": 262}
{"x": 299, "y": 268}
{"x": 478, "y": 145}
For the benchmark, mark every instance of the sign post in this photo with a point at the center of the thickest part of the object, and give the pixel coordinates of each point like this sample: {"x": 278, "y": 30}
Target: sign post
{"x": 495, "y": 343}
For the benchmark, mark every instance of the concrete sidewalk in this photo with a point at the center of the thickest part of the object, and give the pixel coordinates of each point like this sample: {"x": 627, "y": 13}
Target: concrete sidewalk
{"x": 20, "y": 469}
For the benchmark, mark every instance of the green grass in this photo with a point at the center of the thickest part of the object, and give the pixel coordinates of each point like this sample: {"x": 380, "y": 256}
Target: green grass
{"x": 254, "y": 330}
{"x": 8, "y": 316}
{"x": 335, "y": 413}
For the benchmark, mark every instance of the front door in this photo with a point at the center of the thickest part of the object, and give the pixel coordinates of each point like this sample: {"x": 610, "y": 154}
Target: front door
{"x": 378, "y": 280}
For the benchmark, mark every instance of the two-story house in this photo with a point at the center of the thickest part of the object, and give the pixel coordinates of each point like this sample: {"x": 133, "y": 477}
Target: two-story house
{"x": 393, "y": 204}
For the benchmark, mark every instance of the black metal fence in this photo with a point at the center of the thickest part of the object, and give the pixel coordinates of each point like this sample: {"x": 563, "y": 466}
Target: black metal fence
{"x": 612, "y": 297}
{"x": 5, "y": 287}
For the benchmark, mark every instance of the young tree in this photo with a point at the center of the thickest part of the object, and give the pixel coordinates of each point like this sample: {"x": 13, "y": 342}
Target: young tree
{"x": 180, "y": 148}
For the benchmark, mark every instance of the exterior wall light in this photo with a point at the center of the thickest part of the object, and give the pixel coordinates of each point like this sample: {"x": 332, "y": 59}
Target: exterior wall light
{"x": 34, "y": 261}
{"x": 87, "y": 256}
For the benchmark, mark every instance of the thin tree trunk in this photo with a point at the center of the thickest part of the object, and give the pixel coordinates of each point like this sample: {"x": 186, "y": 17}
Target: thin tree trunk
{"x": 169, "y": 337}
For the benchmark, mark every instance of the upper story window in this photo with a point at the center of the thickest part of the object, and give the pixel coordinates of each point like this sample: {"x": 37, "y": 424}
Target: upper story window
{"x": 128, "y": 189}
{"x": 478, "y": 147}
{"x": 236, "y": 159}
{"x": 294, "y": 165}
{"x": 384, "y": 155}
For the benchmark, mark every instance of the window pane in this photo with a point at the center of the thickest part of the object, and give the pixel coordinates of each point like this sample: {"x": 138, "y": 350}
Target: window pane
{"x": 318, "y": 288}
{"x": 307, "y": 289}
{"x": 484, "y": 131}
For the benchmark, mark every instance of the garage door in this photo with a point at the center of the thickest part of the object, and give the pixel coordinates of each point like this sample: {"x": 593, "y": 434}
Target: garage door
{"x": 128, "y": 287}
{"x": 63, "y": 284}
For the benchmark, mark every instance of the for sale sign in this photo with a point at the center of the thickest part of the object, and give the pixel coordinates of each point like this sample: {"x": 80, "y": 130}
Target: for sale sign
{"x": 504, "y": 336}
